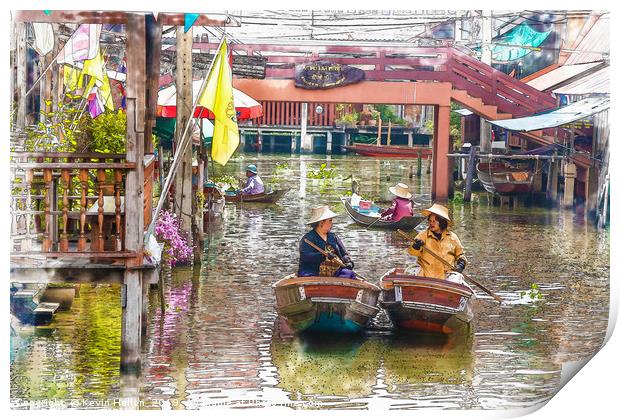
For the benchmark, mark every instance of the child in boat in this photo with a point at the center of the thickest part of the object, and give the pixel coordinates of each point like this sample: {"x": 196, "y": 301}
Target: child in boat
{"x": 401, "y": 204}
{"x": 253, "y": 185}
{"x": 439, "y": 239}
{"x": 314, "y": 263}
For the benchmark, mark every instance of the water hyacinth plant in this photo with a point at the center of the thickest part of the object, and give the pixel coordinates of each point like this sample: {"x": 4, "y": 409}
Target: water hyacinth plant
{"x": 167, "y": 230}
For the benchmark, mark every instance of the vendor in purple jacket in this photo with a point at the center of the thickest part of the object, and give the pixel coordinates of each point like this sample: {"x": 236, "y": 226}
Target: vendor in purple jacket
{"x": 401, "y": 204}
{"x": 253, "y": 185}
{"x": 314, "y": 263}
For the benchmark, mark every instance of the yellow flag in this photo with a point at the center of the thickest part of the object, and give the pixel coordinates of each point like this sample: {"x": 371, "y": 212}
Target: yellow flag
{"x": 72, "y": 78}
{"x": 99, "y": 79}
{"x": 94, "y": 67}
{"x": 217, "y": 96}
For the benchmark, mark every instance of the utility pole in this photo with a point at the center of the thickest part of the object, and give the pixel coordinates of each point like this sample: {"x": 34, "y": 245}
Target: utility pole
{"x": 486, "y": 35}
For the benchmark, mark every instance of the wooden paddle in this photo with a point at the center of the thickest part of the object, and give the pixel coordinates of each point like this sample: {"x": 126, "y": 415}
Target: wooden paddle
{"x": 379, "y": 218}
{"x": 451, "y": 267}
{"x": 325, "y": 254}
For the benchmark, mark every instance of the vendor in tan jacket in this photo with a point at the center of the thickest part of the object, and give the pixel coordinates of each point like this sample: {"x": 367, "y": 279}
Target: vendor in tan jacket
{"x": 439, "y": 239}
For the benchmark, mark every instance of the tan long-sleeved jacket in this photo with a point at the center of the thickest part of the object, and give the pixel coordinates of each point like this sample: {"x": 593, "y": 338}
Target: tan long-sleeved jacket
{"x": 448, "y": 247}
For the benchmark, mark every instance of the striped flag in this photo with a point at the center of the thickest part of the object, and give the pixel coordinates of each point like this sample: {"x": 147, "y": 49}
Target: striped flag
{"x": 83, "y": 45}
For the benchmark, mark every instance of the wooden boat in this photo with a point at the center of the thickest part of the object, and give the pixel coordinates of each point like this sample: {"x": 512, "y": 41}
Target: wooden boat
{"x": 390, "y": 151}
{"x": 506, "y": 177}
{"x": 326, "y": 304}
{"x": 360, "y": 218}
{"x": 267, "y": 197}
{"x": 426, "y": 304}
{"x": 26, "y": 305}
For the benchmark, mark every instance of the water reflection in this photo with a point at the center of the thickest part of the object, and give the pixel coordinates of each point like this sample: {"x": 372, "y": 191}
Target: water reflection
{"x": 218, "y": 342}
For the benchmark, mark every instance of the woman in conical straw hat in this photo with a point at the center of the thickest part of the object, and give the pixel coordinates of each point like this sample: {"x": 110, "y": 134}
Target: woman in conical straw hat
{"x": 441, "y": 240}
{"x": 401, "y": 204}
{"x": 311, "y": 261}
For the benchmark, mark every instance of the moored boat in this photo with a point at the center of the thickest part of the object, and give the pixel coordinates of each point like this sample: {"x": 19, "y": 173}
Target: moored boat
{"x": 326, "y": 304}
{"x": 390, "y": 151}
{"x": 506, "y": 178}
{"x": 426, "y": 304}
{"x": 368, "y": 218}
{"x": 266, "y": 197}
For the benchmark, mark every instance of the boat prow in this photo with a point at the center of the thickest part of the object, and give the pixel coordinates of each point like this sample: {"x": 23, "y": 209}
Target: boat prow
{"x": 326, "y": 304}
{"x": 426, "y": 304}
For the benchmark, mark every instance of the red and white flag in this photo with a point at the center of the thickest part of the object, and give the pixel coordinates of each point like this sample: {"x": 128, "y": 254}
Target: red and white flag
{"x": 83, "y": 45}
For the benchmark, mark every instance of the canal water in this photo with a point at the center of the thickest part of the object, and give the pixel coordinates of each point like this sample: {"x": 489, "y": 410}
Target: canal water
{"x": 220, "y": 342}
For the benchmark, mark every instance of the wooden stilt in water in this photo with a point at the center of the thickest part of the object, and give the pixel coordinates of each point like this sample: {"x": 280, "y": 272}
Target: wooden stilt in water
{"x": 132, "y": 321}
{"x": 471, "y": 169}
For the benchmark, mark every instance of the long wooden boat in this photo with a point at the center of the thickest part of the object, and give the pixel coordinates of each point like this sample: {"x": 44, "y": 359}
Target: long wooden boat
{"x": 506, "y": 177}
{"x": 426, "y": 304}
{"x": 267, "y": 197}
{"x": 390, "y": 151}
{"x": 405, "y": 223}
{"x": 326, "y": 304}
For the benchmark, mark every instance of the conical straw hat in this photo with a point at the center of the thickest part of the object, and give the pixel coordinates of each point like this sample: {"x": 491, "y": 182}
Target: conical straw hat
{"x": 320, "y": 213}
{"x": 401, "y": 190}
{"x": 439, "y": 210}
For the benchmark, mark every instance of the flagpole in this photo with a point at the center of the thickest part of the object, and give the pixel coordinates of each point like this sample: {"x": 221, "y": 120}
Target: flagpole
{"x": 182, "y": 146}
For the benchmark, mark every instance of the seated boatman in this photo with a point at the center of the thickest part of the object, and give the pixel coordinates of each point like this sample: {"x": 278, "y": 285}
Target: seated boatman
{"x": 401, "y": 204}
{"x": 253, "y": 185}
{"x": 443, "y": 242}
{"x": 313, "y": 262}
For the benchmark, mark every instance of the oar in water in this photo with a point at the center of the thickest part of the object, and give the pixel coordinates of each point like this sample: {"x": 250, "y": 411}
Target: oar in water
{"x": 325, "y": 254}
{"x": 451, "y": 267}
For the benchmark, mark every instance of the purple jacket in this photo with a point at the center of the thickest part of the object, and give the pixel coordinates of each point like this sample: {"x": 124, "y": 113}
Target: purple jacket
{"x": 401, "y": 207}
{"x": 254, "y": 185}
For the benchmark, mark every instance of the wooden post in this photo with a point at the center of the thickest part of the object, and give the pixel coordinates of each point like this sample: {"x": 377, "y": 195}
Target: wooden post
{"x": 183, "y": 179}
{"x": 441, "y": 175}
{"x": 389, "y": 133}
{"x": 570, "y": 172}
{"x": 329, "y": 142}
{"x": 591, "y": 193}
{"x": 552, "y": 181}
{"x": 134, "y": 197}
{"x": 410, "y": 139}
{"x": 22, "y": 75}
{"x": 471, "y": 169}
{"x": 304, "y": 146}
{"x": 379, "y": 133}
{"x": 153, "y": 56}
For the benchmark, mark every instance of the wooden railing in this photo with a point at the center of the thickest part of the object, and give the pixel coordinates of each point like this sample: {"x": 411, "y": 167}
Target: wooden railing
{"x": 289, "y": 114}
{"x": 68, "y": 204}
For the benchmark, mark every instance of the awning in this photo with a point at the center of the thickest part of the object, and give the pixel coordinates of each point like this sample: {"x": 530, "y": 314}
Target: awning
{"x": 464, "y": 112}
{"x": 595, "y": 83}
{"x": 560, "y": 75}
{"x": 568, "y": 114}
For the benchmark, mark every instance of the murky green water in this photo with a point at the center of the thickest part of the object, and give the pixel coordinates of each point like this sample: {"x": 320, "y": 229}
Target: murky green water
{"x": 219, "y": 342}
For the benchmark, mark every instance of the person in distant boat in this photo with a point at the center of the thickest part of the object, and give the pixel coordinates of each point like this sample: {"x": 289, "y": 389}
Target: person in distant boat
{"x": 401, "y": 204}
{"x": 439, "y": 239}
{"x": 314, "y": 263}
{"x": 253, "y": 185}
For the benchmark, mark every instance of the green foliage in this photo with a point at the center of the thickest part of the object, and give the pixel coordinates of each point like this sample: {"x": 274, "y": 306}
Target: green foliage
{"x": 281, "y": 167}
{"x": 226, "y": 182}
{"x": 387, "y": 114}
{"x": 533, "y": 293}
{"x": 321, "y": 173}
{"x": 457, "y": 198}
{"x": 63, "y": 130}
{"x": 108, "y": 132}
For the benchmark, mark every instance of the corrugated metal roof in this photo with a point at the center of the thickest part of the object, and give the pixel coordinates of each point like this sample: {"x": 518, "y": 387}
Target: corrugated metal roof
{"x": 594, "y": 46}
{"x": 559, "y": 75}
{"x": 597, "y": 82}
{"x": 568, "y": 114}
